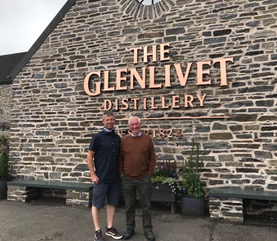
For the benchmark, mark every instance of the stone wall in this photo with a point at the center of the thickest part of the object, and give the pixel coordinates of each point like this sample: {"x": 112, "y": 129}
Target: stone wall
{"x": 5, "y": 107}
{"x": 52, "y": 115}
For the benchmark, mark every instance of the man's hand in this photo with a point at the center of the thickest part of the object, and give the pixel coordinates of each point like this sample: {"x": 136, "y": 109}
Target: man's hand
{"x": 95, "y": 179}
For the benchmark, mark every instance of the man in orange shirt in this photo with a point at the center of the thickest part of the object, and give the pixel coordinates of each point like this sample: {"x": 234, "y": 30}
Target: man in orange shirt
{"x": 136, "y": 166}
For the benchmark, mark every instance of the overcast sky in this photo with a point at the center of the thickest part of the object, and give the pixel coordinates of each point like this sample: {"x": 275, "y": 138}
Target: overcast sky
{"x": 22, "y": 22}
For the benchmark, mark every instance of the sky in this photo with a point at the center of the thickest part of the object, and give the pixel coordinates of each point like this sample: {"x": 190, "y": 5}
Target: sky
{"x": 23, "y": 21}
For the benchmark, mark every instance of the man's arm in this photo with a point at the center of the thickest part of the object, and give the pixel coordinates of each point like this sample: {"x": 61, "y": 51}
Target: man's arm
{"x": 152, "y": 158}
{"x": 91, "y": 168}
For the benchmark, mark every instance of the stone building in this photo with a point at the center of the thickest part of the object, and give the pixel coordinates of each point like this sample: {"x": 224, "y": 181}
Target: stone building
{"x": 190, "y": 69}
{"x": 7, "y": 63}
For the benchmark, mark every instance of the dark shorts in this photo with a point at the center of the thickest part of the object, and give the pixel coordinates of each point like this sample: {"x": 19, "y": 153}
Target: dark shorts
{"x": 106, "y": 193}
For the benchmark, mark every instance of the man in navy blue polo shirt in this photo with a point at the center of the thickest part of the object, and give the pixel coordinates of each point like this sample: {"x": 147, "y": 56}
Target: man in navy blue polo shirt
{"x": 103, "y": 165}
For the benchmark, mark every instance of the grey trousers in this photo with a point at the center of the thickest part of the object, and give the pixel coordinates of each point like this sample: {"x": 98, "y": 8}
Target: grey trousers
{"x": 130, "y": 188}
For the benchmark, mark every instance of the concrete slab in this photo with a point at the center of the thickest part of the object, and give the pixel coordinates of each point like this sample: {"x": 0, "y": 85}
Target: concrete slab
{"x": 37, "y": 221}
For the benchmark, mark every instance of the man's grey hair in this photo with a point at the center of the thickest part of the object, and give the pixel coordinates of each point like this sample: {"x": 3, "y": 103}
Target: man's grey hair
{"x": 133, "y": 117}
{"x": 107, "y": 113}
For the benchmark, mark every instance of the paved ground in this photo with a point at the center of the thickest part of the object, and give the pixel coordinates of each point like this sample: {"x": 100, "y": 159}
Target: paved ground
{"x": 38, "y": 221}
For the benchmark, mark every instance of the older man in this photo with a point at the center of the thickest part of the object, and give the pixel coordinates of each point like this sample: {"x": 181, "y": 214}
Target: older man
{"x": 137, "y": 162}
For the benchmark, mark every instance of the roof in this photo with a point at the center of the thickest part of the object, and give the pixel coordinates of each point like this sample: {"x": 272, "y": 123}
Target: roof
{"x": 7, "y": 64}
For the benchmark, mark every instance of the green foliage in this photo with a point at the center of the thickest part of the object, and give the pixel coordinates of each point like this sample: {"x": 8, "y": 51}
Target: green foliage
{"x": 174, "y": 183}
{"x": 165, "y": 173}
{"x": 193, "y": 185}
{"x": 191, "y": 176}
{"x": 4, "y": 158}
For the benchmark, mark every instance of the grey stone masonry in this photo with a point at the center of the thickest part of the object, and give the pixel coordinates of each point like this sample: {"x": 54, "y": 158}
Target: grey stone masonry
{"x": 52, "y": 116}
{"x": 227, "y": 209}
{"x": 21, "y": 194}
{"x": 5, "y": 108}
{"x": 78, "y": 198}
{"x": 72, "y": 197}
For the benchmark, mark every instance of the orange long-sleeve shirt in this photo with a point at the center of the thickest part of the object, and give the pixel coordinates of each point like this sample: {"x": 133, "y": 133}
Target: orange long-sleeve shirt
{"x": 137, "y": 156}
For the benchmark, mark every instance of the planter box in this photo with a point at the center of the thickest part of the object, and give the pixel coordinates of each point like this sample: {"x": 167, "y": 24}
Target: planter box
{"x": 193, "y": 206}
{"x": 162, "y": 193}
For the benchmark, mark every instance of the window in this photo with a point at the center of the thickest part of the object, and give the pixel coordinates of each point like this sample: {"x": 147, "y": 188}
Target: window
{"x": 146, "y": 9}
{"x": 148, "y": 2}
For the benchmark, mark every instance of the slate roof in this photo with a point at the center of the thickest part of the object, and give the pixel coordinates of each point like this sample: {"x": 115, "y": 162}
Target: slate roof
{"x": 7, "y": 64}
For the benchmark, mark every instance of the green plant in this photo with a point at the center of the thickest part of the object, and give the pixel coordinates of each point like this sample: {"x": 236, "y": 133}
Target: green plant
{"x": 191, "y": 177}
{"x": 165, "y": 173}
{"x": 174, "y": 183}
{"x": 4, "y": 158}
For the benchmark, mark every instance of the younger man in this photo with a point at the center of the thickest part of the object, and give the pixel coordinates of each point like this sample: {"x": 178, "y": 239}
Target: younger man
{"x": 103, "y": 165}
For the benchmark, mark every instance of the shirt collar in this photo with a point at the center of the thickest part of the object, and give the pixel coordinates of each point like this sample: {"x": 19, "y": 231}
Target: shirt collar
{"x": 107, "y": 130}
{"x": 138, "y": 135}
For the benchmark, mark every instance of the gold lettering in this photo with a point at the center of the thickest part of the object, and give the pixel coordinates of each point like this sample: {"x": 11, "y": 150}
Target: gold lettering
{"x": 164, "y": 51}
{"x": 135, "y": 100}
{"x": 106, "y": 81}
{"x": 164, "y": 106}
{"x": 145, "y": 77}
{"x": 135, "y": 75}
{"x": 201, "y": 99}
{"x": 97, "y": 84}
{"x": 116, "y": 104}
{"x": 144, "y": 103}
{"x": 188, "y": 100}
{"x": 120, "y": 78}
{"x": 153, "y": 103}
{"x": 182, "y": 79}
{"x": 136, "y": 51}
{"x": 161, "y": 133}
{"x": 167, "y": 82}
{"x": 201, "y": 72}
{"x": 107, "y": 105}
{"x": 152, "y": 84}
{"x": 175, "y": 101}
{"x": 125, "y": 104}
{"x": 223, "y": 72}
{"x": 153, "y": 54}
{"x": 169, "y": 133}
{"x": 146, "y": 132}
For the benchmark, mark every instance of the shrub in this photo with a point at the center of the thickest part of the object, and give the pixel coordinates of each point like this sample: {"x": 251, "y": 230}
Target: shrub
{"x": 191, "y": 173}
{"x": 4, "y": 158}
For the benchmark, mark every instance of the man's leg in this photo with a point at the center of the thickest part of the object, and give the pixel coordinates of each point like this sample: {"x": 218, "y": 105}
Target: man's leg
{"x": 129, "y": 194}
{"x": 113, "y": 200}
{"x": 144, "y": 190}
{"x": 96, "y": 217}
{"x": 98, "y": 201}
{"x": 110, "y": 215}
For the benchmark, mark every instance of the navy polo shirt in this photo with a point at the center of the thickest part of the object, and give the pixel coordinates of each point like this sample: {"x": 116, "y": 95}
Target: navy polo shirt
{"x": 106, "y": 146}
